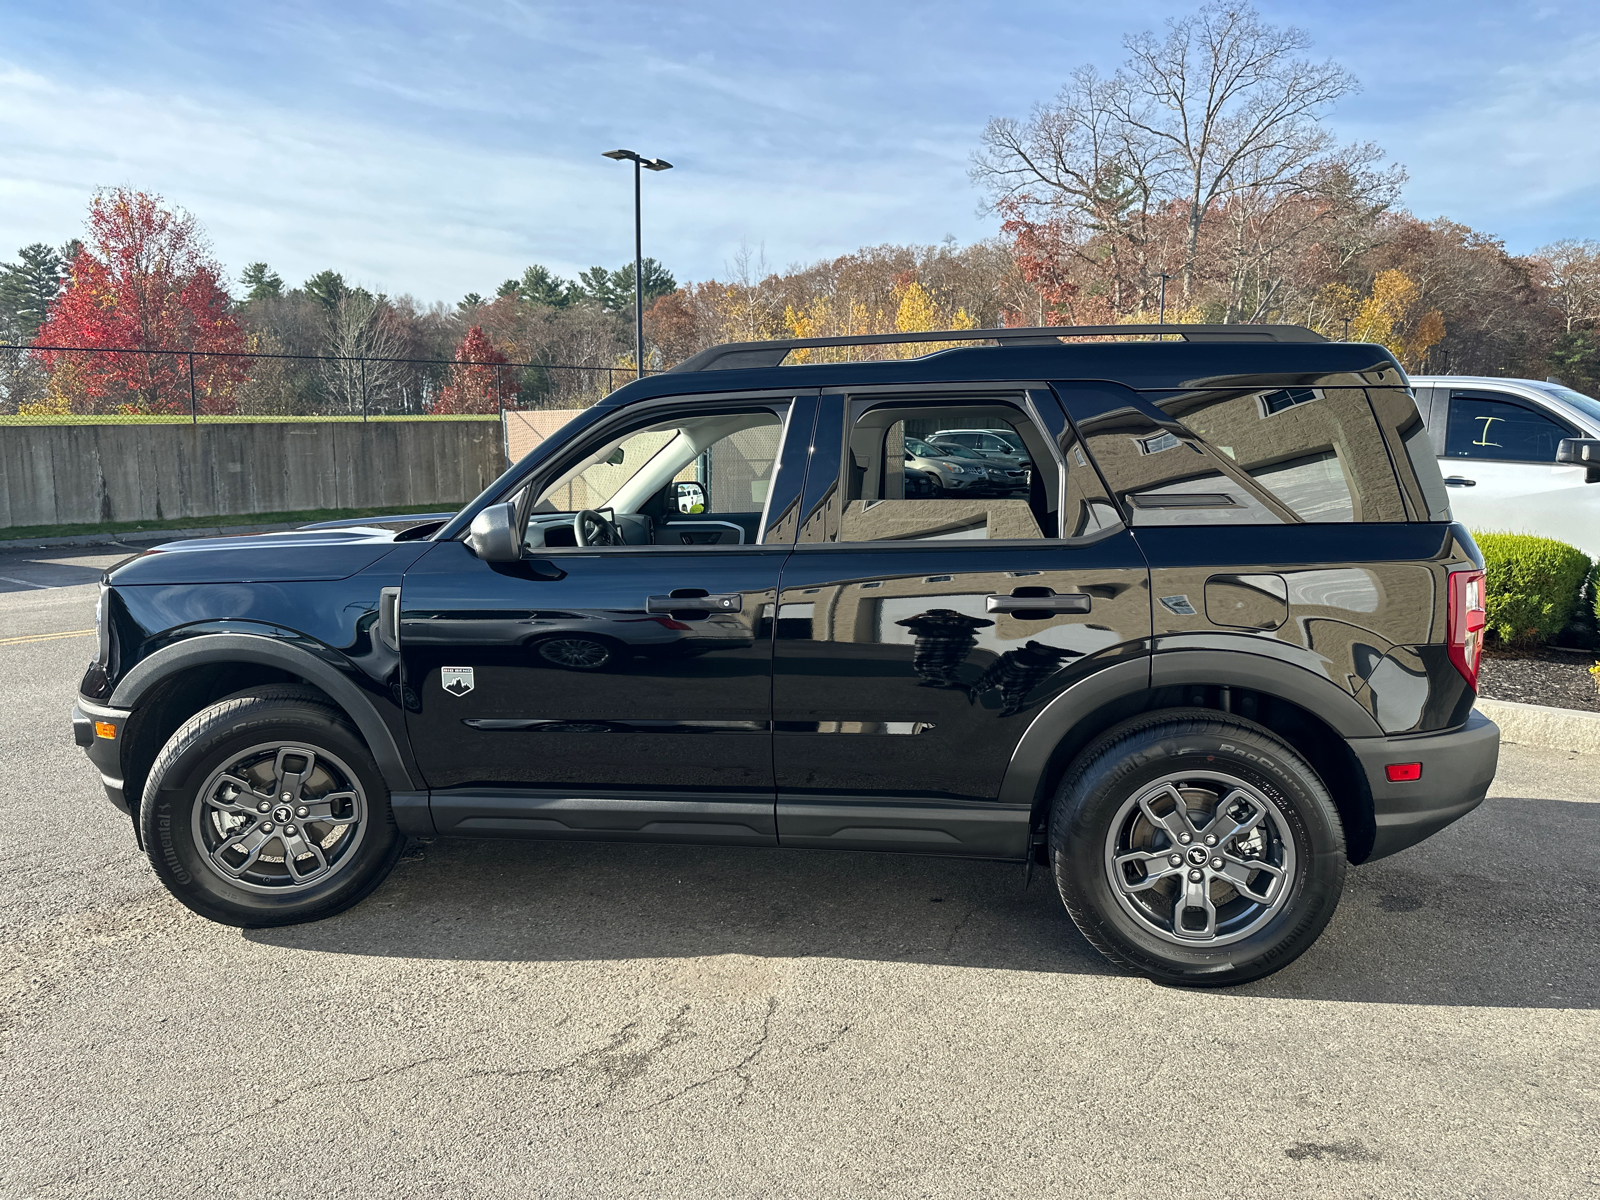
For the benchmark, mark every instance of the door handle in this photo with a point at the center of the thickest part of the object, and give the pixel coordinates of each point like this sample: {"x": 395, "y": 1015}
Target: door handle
{"x": 1046, "y": 601}
{"x": 694, "y": 601}
{"x": 1459, "y": 481}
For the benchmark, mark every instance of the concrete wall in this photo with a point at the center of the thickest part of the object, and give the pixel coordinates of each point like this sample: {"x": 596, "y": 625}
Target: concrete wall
{"x": 80, "y": 474}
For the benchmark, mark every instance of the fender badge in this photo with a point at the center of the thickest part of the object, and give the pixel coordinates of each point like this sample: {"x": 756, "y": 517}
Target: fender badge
{"x": 456, "y": 680}
{"x": 1179, "y": 606}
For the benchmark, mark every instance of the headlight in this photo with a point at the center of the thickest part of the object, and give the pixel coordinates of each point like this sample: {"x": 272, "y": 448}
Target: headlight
{"x": 954, "y": 468}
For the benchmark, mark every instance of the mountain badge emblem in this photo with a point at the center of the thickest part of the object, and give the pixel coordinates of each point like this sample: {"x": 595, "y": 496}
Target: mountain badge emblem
{"x": 456, "y": 680}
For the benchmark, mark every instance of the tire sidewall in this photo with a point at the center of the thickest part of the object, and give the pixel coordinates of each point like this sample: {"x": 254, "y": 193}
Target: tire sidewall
{"x": 1092, "y": 799}
{"x": 172, "y": 795}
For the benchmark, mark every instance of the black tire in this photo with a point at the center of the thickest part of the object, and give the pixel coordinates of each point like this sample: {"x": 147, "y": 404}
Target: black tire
{"x": 1099, "y": 834}
{"x": 177, "y": 821}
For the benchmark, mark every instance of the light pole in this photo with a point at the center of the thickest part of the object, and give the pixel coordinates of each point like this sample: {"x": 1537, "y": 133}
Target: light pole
{"x": 649, "y": 164}
{"x": 1161, "y": 312}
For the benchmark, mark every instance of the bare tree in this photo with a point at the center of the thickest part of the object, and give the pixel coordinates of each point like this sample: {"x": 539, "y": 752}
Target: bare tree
{"x": 1573, "y": 269}
{"x": 1224, "y": 106}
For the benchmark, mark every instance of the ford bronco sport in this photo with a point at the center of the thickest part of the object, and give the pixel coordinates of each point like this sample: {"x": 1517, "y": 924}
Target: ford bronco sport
{"x": 1224, "y": 646}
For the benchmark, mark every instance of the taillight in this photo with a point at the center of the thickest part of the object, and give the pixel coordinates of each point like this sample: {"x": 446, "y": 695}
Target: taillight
{"x": 1467, "y": 618}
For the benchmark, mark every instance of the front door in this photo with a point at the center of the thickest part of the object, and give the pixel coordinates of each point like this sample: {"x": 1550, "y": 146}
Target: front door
{"x": 917, "y": 638}
{"x": 1500, "y": 466}
{"x": 619, "y": 688}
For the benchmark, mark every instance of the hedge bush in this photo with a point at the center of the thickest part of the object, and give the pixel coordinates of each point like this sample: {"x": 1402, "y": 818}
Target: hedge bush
{"x": 1533, "y": 585}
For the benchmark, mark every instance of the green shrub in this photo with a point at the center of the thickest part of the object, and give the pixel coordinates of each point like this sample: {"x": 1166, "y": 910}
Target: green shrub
{"x": 1533, "y": 584}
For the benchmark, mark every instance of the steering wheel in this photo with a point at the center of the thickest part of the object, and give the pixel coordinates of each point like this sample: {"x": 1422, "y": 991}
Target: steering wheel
{"x": 589, "y": 528}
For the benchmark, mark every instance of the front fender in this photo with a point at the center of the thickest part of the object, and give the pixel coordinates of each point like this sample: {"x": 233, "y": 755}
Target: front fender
{"x": 324, "y": 669}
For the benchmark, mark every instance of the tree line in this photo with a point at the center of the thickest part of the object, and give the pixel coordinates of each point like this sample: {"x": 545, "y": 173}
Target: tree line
{"x": 1199, "y": 181}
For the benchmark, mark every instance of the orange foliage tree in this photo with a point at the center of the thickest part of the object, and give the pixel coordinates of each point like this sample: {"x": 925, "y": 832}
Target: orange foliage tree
{"x": 145, "y": 280}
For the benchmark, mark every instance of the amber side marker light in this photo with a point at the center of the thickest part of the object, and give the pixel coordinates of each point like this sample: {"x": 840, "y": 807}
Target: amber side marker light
{"x": 1403, "y": 772}
{"x": 106, "y": 730}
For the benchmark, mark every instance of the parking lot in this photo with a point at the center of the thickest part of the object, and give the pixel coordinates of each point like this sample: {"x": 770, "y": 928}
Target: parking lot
{"x": 562, "y": 1020}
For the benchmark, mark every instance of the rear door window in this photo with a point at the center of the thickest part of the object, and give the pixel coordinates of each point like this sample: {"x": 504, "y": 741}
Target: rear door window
{"x": 1491, "y": 426}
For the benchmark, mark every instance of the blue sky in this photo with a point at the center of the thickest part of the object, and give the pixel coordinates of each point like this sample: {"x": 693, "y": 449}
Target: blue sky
{"x": 436, "y": 148}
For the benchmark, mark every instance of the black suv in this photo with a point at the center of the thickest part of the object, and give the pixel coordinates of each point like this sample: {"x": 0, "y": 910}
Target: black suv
{"x": 1224, "y": 646}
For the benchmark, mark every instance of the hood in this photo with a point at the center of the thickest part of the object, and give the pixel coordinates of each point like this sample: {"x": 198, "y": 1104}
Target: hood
{"x": 301, "y": 554}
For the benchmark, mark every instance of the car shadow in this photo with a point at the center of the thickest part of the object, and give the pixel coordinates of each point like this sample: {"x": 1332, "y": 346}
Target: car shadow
{"x": 1494, "y": 911}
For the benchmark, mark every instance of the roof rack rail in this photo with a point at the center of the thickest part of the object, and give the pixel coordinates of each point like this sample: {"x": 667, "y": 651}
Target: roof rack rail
{"x": 735, "y": 355}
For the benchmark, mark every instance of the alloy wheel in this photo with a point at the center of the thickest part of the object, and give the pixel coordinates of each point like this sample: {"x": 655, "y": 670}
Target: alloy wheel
{"x": 1200, "y": 858}
{"x": 280, "y": 818}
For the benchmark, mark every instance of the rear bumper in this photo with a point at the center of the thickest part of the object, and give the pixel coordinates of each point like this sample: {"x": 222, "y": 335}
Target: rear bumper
{"x": 104, "y": 753}
{"x": 1457, "y": 768}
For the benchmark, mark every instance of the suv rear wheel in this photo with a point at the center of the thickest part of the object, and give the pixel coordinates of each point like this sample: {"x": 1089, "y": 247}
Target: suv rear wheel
{"x": 1196, "y": 848}
{"x": 267, "y": 809}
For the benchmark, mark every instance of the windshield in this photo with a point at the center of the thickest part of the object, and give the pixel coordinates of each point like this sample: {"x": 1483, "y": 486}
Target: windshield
{"x": 921, "y": 449}
{"x": 1010, "y": 439}
{"x": 1587, "y": 405}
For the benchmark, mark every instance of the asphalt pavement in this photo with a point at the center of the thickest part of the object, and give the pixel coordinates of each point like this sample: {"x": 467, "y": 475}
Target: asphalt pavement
{"x": 589, "y": 1020}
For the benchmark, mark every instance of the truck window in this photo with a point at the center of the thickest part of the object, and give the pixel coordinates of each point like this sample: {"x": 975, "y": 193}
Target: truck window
{"x": 1498, "y": 427}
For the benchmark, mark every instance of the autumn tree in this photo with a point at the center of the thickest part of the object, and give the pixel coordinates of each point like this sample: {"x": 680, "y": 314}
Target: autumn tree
{"x": 145, "y": 280}
{"x": 478, "y": 384}
{"x": 1203, "y": 158}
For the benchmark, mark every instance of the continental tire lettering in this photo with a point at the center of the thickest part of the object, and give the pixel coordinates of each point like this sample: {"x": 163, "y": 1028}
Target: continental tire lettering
{"x": 169, "y": 851}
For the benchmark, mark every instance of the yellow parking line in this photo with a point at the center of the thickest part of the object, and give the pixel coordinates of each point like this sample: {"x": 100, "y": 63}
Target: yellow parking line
{"x": 44, "y": 637}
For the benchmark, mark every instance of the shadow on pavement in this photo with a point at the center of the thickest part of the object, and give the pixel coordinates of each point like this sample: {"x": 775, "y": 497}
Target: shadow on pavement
{"x": 1496, "y": 911}
{"x": 62, "y": 566}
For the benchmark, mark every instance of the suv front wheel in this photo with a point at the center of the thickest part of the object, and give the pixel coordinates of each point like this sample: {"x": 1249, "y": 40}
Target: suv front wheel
{"x": 267, "y": 809}
{"x": 1196, "y": 848}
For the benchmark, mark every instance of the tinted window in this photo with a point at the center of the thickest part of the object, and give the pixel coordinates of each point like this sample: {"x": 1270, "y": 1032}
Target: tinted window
{"x": 1501, "y": 428}
{"x": 1251, "y": 458}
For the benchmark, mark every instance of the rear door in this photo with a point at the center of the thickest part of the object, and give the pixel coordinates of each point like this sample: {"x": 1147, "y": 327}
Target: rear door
{"x": 916, "y": 638}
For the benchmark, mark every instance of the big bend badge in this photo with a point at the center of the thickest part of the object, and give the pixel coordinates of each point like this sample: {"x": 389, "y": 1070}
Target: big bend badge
{"x": 456, "y": 680}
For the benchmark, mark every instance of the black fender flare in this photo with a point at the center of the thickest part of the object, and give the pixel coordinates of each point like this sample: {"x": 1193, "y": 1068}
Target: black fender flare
{"x": 393, "y": 760}
{"x": 1315, "y": 693}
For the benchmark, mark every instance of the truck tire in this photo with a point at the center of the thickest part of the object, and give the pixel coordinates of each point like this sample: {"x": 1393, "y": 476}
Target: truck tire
{"x": 1196, "y": 848}
{"x": 267, "y": 809}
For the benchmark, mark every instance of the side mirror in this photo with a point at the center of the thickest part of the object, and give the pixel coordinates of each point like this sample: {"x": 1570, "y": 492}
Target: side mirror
{"x": 1582, "y": 452}
{"x": 493, "y": 535}
{"x": 690, "y": 496}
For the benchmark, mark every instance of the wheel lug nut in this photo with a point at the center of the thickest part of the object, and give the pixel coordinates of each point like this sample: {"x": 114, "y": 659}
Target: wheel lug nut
{"x": 266, "y": 827}
{"x": 1175, "y": 859}
{"x": 1211, "y": 839}
{"x": 287, "y": 798}
{"x": 301, "y": 811}
{"x": 289, "y": 829}
{"x": 1196, "y": 876}
{"x": 1185, "y": 838}
{"x": 263, "y": 806}
{"x": 1216, "y": 864}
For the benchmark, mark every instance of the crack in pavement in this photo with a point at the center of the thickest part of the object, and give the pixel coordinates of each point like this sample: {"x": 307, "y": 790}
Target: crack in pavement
{"x": 319, "y": 1087}
{"x": 739, "y": 1068}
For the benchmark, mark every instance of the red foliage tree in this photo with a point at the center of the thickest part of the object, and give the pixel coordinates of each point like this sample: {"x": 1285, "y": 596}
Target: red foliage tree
{"x": 476, "y": 384}
{"x": 145, "y": 280}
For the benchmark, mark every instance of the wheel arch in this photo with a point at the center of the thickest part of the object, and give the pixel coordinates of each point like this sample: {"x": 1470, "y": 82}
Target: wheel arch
{"x": 177, "y": 681}
{"x": 1312, "y": 714}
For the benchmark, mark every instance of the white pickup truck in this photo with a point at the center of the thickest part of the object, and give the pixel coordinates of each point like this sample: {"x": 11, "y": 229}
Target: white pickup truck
{"x": 1517, "y": 455}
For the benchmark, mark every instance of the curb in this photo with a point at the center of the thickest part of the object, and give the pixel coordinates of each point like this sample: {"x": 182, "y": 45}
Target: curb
{"x": 1538, "y": 725}
{"x": 140, "y": 537}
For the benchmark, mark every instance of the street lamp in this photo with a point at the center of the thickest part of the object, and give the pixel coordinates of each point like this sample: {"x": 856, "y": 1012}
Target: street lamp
{"x": 649, "y": 164}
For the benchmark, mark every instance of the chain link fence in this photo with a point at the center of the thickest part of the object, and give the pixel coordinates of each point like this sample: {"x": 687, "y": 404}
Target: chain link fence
{"x": 51, "y": 385}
